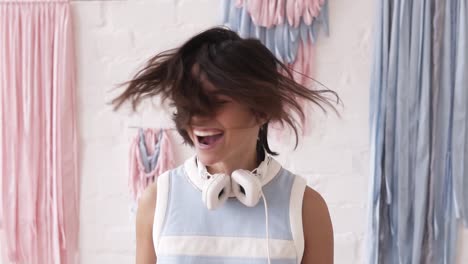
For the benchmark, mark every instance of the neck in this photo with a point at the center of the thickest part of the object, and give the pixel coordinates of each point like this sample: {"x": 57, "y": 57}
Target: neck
{"x": 246, "y": 161}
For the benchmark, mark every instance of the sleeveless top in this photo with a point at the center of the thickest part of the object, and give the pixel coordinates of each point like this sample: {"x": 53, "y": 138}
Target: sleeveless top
{"x": 185, "y": 231}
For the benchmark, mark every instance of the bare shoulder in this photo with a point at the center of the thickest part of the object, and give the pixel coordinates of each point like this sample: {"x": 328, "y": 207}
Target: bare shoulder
{"x": 147, "y": 201}
{"x": 148, "y": 197}
{"x": 318, "y": 229}
{"x": 144, "y": 226}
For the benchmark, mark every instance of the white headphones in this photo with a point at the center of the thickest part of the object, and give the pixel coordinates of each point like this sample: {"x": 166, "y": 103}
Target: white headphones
{"x": 245, "y": 185}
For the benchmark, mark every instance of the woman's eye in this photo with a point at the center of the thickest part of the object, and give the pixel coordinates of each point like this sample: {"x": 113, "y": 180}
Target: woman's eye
{"x": 221, "y": 101}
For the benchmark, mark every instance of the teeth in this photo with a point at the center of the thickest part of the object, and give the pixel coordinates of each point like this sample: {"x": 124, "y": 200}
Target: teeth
{"x": 200, "y": 133}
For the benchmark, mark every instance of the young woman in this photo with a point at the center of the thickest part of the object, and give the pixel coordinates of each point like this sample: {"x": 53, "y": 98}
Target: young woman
{"x": 232, "y": 202}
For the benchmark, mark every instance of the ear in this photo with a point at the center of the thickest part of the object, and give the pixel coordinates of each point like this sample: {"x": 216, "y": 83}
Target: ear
{"x": 261, "y": 118}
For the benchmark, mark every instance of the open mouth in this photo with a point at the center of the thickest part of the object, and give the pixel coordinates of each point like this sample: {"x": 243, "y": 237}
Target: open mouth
{"x": 208, "y": 140}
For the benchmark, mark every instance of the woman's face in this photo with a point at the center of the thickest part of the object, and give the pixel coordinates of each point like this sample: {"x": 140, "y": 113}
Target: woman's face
{"x": 227, "y": 135}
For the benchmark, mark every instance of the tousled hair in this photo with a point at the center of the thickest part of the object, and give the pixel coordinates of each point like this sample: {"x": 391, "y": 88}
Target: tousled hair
{"x": 243, "y": 69}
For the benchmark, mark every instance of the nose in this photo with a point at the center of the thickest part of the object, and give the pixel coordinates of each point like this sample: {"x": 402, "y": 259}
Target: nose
{"x": 200, "y": 120}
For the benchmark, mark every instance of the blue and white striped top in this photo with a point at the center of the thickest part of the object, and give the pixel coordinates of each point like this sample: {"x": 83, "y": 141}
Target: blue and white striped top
{"x": 185, "y": 231}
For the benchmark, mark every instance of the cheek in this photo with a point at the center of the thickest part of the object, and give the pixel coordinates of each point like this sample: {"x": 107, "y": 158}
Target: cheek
{"x": 241, "y": 127}
{"x": 237, "y": 117}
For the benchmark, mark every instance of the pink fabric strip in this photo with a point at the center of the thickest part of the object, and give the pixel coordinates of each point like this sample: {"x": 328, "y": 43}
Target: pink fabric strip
{"x": 138, "y": 178}
{"x": 40, "y": 195}
{"x": 268, "y": 13}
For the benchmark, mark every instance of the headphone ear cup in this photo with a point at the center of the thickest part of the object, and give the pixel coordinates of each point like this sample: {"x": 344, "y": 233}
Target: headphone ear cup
{"x": 246, "y": 187}
{"x": 216, "y": 191}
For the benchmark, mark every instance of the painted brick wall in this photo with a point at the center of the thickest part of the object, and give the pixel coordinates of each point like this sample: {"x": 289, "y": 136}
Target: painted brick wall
{"x": 115, "y": 37}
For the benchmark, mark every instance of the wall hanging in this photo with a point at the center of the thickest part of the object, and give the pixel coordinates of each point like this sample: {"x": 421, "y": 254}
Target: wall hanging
{"x": 38, "y": 141}
{"x": 419, "y": 140}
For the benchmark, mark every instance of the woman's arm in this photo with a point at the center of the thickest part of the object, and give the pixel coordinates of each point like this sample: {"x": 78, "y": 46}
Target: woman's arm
{"x": 318, "y": 230}
{"x": 144, "y": 226}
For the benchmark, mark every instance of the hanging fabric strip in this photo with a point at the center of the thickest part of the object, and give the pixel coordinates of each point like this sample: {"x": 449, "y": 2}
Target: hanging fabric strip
{"x": 40, "y": 195}
{"x": 289, "y": 29}
{"x": 151, "y": 154}
{"x": 418, "y": 131}
{"x": 376, "y": 120}
{"x": 460, "y": 112}
{"x": 265, "y": 20}
{"x": 420, "y": 123}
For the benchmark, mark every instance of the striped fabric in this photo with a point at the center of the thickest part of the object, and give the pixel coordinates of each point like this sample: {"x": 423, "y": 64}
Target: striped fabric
{"x": 185, "y": 231}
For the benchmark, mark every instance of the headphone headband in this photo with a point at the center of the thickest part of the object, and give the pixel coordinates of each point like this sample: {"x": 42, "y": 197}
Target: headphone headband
{"x": 194, "y": 176}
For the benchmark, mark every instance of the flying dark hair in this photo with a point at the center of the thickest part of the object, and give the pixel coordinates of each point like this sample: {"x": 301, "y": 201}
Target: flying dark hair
{"x": 243, "y": 69}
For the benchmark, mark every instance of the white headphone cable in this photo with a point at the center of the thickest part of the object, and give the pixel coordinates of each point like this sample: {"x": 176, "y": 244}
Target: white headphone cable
{"x": 266, "y": 224}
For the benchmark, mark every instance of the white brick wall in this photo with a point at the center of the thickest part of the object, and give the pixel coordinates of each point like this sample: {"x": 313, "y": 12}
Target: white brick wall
{"x": 115, "y": 37}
